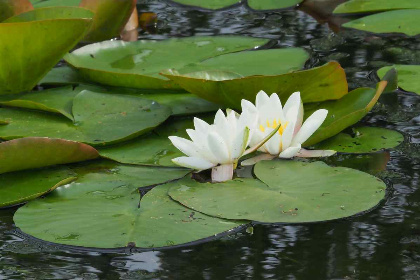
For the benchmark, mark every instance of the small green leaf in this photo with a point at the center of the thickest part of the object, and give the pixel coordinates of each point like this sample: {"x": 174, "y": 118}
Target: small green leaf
{"x": 408, "y": 76}
{"x": 272, "y": 4}
{"x": 372, "y": 6}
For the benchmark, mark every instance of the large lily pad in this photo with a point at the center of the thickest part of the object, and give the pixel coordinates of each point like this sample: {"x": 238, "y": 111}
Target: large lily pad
{"x": 22, "y": 186}
{"x": 33, "y": 152}
{"x": 321, "y": 83}
{"x": 371, "y": 6}
{"x": 344, "y": 112}
{"x": 10, "y": 8}
{"x": 24, "y": 64}
{"x": 272, "y": 4}
{"x": 208, "y": 4}
{"x": 283, "y": 195}
{"x": 137, "y": 64}
{"x": 100, "y": 119}
{"x": 399, "y": 21}
{"x": 64, "y": 75}
{"x": 105, "y": 211}
{"x": 152, "y": 149}
{"x": 408, "y": 76}
{"x": 54, "y": 3}
{"x": 363, "y": 140}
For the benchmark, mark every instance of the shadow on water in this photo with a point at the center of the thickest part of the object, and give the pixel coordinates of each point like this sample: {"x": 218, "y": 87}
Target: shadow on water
{"x": 382, "y": 244}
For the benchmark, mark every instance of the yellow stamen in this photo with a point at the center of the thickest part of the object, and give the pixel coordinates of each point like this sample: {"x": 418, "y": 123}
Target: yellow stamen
{"x": 274, "y": 124}
{"x": 262, "y": 128}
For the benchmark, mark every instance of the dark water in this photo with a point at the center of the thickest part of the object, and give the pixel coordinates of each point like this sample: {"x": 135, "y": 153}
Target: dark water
{"x": 383, "y": 244}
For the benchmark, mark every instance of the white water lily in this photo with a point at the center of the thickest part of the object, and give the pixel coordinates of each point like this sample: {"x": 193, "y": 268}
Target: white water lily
{"x": 218, "y": 146}
{"x": 287, "y": 143}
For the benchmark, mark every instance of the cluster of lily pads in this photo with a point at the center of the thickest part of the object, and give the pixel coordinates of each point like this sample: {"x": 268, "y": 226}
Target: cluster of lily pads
{"x": 89, "y": 151}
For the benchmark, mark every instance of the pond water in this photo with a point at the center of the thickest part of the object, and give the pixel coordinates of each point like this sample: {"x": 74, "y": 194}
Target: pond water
{"x": 382, "y": 244}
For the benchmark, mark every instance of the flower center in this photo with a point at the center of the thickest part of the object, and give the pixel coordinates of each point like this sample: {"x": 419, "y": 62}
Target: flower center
{"x": 274, "y": 125}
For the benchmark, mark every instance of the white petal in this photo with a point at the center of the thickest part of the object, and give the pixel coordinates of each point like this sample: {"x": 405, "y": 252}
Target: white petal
{"x": 193, "y": 163}
{"x": 240, "y": 143}
{"x": 310, "y": 126}
{"x": 200, "y": 125}
{"x": 276, "y": 109}
{"x": 220, "y": 118}
{"x": 292, "y": 106}
{"x": 290, "y": 152}
{"x": 263, "y": 104}
{"x": 200, "y": 141}
{"x": 218, "y": 148}
{"x": 256, "y": 137}
{"x": 185, "y": 146}
{"x": 273, "y": 145}
{"x": 287, "y": 137}
{"x": 315, "y": 153}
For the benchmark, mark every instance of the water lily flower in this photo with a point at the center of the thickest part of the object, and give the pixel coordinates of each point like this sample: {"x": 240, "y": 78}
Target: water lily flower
{"x": 287, "y": 142}
{"x": 218, "y": 146}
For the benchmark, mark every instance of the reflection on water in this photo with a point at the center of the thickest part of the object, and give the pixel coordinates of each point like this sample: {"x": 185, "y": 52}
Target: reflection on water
{"x": 383, "y": 244}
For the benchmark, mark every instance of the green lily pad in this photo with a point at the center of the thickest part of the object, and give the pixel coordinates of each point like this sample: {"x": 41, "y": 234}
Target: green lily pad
{"x": 62, "y": 76}
{"x": 272, "y": 4}
{"x": 22, "y": 186}
{"x": 363, "y": 140}
{"x": 283, "y": 195}
{"x": 100, "y": 119}
{"x": 25, "y": 64}
{"x": 373, "y": 6}
{"x": 33, "y": 152}
{"x": 56, "y": 100}
{"x": 105, "y": 211}
{"x": 321, "y": 83}
{"x": 408, "y": 76}
{"x": 51, "y": 13}
{"x": 344, "y": 112}
{"x": 10, "y": 8}
{"x": 399, "y": 21}
{"x": 152, "y": 149}
{"x": 372, "y": 163}
{"x": 137, "y": 64}
{"x": 208, "y": 4}
{"x": 54, "y": 3}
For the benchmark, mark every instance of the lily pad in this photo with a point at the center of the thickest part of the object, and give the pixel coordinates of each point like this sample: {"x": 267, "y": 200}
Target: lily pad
{"x": 362, "y": 140}
{"x": 22, "y": 186}
{"x": 408, "y": 76}
{"x": 54, "y": 3}
{"x": 64, "y": 75}
{"x": 283, "y": 195}
{"x": 272, "y": 4}
{"x": 321, "y": 83}
{"x": 33, "y": 152}
{"x": 344, "y": 112}
{"x": 23, "y": 64}
{"x": 105, "y": 211}
{"x": 399, "y": 21}
{"x": 208, "y": 4}
{"x": 137, "y": 64}
{"x": 51, "y": 13}
{"x": 10, "y": 8}
{"x": 152, "y": 149}
{"x": 100, "y": 119}
{"x": 373, "y": 6}
{"x": 56, "y": 100}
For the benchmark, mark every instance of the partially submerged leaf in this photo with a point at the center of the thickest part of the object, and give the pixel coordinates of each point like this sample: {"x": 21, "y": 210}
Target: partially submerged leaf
{"x": 63, "y": 75}
{"x": 35, "y": 152}
{"x": 110, "y": 213}
{"x": 408, "y": 76}
{"x": 321, "y": 83}
{"x": 283, "y": 195}
{"x": 362, "y": 140}
{"x": 405, "y": 21}
{"x": 272, "y": 4}
{"x": 22, "y": 186}
{"x": 24, "y": 64}
{"x": 208, "y": 4}
{"x": 344, "y": 112}
{"x": 137, "y": 64}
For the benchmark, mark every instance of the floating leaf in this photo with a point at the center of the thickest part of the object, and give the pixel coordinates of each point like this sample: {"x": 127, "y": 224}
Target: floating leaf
{"x": 10, "y": 8}
{"x": 208, "y": 4}
{"x": 408, "y": 76}
{"x": 54, "y": 3}
{"x": 405, "y": 21}
{"x": 56, "y": 100}
{"x": 372, "y": 6}
{"x": 62, "y": 76}
{"x": 284, "y": 195}
{"x": 137, "y": 64}
{"x": 344, "y": 112}
{"x": 24, "y": 64}
{"x": 22, "y": 186}
{"x": 105, "y": 211}
{"x": 372, "y": 163}
{"x": 100, "y": 119}
{"x": 363, "y": 140}
{"x": 34, "y": 152}
{"x": 272, "y": 4}
{"x": 321, "y": 83}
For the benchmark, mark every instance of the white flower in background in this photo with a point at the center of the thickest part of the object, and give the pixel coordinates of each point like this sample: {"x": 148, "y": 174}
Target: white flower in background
{"x": 287, "y": 143}
{"x": 218, "y": 146}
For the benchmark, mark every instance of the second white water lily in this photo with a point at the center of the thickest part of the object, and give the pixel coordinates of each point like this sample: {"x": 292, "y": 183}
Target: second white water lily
{"x": 270, "y": 113}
